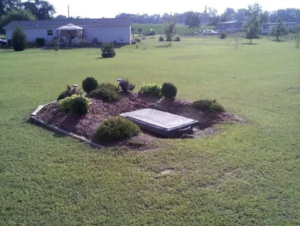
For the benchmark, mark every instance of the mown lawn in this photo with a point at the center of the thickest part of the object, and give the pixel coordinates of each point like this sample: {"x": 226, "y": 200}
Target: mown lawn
{"x": 247, "y": 174}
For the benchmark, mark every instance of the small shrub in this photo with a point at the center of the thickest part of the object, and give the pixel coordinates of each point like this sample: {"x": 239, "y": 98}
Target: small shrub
{"x": 68, "y": 92}
{"x": 177, "y": 39}
{"x": 109, "y": 86}
{"x": 104, "y": 94}
{"x": 161, "y": 39}
{"x": 40, "y": 41}
{"x": 79, "y": 106}
{"x": 126, "y": 85}
{"x": 18, "y": 39}
{"x": 150, "y": 89}
{"x": 89, "y": 84}
{"x": 138, "y": 39}
{"x": 108, "y": 50}
{"x": 116, "y": 128}
{"x": 223, "y": 35}
{"x": 133, "y": 42}
{"x": 65, "y": 104}
{"x": 169, "y": 90}
{"x": 208, "y": 105}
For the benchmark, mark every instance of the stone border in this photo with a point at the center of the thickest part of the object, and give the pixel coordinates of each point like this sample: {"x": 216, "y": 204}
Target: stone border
{"x": 34, "y": 120}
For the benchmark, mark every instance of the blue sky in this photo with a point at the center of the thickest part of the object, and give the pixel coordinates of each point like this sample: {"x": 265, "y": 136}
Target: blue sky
{"x": 98, "y": 9}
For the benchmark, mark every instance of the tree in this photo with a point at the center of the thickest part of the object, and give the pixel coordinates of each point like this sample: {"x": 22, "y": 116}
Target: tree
{"x": 279, "y": 30}
{"x": 252, "y": 27}
{"x": 169, "y": 27}
{"x": 43, "y": 10}
{"x": 140, "y": 30}
{"x": 228, "y": 15}
{"x": 18, "y": 39}
{"x": 15, "y": 15}
{"x": 193, "y": 20}
{"x": 60, "y": 17}
{"x": 6, "y": 5}
{"x": 264, "y": 17}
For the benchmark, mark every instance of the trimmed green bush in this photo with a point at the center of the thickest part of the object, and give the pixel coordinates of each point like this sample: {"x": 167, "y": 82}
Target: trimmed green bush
{"x": 169, "y": 90}
{"x": 150, "y": 89}
{"x": 40, "y": 41}
{"x": 223, "y": 35}
{"x": 65, "y": 104}
{"x": 108, "y": 50}
{"x": 104, "y": 94}
{"x": 116, "y": 128}
{"x": 109, "y": 86}
{"x": 208, "y": 105}
{"x": 89, "y": 84}
{"x": 18, "y": 39}
{"x": 79, "y": 106}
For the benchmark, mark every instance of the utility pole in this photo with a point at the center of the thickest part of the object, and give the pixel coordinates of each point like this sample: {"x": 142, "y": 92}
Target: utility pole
{"x": 68, "y": 11}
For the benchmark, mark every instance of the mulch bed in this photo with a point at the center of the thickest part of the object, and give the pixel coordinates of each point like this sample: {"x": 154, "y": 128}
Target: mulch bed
{"x": 85, "y": 126}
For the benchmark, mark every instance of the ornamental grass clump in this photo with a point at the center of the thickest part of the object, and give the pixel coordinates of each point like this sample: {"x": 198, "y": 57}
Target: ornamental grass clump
{"x": 168, "y": 90}
{"x": 208, "y": 105}
{"x": 89, "y": 84}
{"x": 116, "y": 128}
{"x": 150, "y": 89}
{"x": 104, "y": 94}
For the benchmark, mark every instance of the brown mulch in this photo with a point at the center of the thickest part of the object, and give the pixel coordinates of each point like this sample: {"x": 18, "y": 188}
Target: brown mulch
{"x": 86, "y": 126}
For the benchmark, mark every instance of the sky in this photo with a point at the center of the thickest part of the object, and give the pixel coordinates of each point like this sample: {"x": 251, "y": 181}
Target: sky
{"x": 110, "y": 8}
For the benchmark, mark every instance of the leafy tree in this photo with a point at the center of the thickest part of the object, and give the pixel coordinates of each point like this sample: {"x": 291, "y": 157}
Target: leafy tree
{"x": 61, "y": 17}
{"x": 43, "y": 10}
{"x": 6, "y": 5}
{"x": 279, "y": 30}
{"x": 264, "y": 17}
{"x": 15, "y": 15}
{"x": 169, "y": 27}
{"x": 228, "y": 15}
{"x": 240, "y": 15}
{"x": 193, "y": 20}
{"x": 18, "y": 39}
{"x": 252, "y": 27}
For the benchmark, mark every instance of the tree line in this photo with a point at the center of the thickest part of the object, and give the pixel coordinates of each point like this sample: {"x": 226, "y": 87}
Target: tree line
{"x": 211, "y": 17}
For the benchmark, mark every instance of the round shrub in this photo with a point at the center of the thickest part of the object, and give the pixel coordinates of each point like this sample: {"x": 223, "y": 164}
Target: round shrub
{"x": 177, "y": 39}
{"x": 161, "y": 39}
{"x": 79, "y": 106}
{"x": 89, "y": 84}
{"x": 223, "y": 35}
{"x": 208, "y": 105}
{"x": 104, "y": 94}
{"x": 150, "y": 89}
{"x": 116, "y": 128}
{"x": 108, "y": 86}
{"x": 168, "y": 90}
{"x": 65, "y": 104}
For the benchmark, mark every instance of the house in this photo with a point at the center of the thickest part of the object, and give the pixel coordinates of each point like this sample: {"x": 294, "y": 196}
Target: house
{"x": 229, "y": 26}
{"x": 266, "y": 28}
{"x": 104, "y": 30}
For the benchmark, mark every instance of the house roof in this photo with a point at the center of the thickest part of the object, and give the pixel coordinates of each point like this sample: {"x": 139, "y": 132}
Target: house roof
{"x": 78, "y": 22}
{"x": 229, "y": 22}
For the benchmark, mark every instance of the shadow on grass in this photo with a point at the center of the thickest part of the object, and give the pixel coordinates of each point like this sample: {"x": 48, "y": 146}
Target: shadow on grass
{"x": 249, "y": 44}
{"x": 7, "y": 51}
{"x": 164, "y": 46}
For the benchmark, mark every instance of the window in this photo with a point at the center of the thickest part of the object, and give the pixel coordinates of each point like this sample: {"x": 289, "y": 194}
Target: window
{"x": 49, "y": 32}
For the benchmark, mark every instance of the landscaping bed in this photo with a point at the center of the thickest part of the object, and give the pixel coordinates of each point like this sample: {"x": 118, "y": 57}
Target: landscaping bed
{"x": 85, "y": 126}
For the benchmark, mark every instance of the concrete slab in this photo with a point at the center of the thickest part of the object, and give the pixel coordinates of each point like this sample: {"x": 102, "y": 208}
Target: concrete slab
{"x": 162, "y": 123}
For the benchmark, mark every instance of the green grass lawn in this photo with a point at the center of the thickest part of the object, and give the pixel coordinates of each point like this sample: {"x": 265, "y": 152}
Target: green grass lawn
{"x": 247, "y": 174}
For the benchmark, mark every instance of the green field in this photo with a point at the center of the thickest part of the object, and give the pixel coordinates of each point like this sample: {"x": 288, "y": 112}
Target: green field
{"x": 247, "y": 174}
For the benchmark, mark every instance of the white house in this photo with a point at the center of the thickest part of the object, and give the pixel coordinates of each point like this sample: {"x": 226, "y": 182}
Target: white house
{"x": 267, "y": 27}
{"x": 104, "y": 30}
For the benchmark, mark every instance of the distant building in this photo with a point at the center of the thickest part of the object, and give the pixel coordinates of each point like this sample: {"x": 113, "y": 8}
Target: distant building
{"x": 104, "y": 30}
{"x": 229, "y": 27}
{"x": 267, "y": 27}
